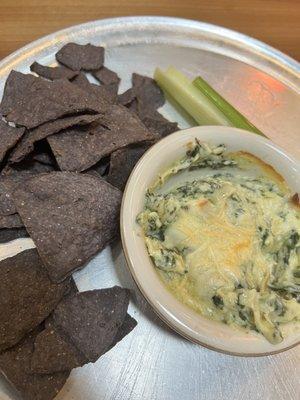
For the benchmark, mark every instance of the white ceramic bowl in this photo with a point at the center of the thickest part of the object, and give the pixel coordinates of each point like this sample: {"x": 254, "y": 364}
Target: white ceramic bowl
{"x": 182, "y": 319}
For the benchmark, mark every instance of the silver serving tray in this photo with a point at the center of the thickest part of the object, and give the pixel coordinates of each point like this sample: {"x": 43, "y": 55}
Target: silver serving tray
{"x": 154, "y": 363}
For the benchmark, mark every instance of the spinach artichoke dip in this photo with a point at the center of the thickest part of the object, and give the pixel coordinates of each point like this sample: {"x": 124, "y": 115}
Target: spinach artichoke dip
{"x": 223, "y": 233}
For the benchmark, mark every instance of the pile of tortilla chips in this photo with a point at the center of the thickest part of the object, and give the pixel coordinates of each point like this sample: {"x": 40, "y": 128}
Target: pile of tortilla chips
{"x": 67, "y": 147}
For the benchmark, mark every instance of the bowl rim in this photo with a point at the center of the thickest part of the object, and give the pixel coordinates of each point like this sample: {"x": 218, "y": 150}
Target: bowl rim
{"x": 129, "y": 263}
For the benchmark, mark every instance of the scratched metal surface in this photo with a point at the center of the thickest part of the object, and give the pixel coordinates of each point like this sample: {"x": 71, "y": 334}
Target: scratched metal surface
{"x": 153, "y": 363}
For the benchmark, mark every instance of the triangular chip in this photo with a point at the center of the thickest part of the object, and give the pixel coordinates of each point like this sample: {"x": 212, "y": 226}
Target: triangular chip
{"x": 69, "y": 216}
{"x": 157, "y": 123}
{"x": 27, "y": 296}
{"x": 15, "y": 366}
{"x": 122, "y": 162}
{"x": 31, "y": 101}
{"x": 128, "y": 325}
{"x": 145, "y": 96}
{"x": 92, "y": 319}
{"x": 79, "y": 149}
{"x": 148, "y": 94}
{"x": 26, "y": 145}
{"x": 52, "y": 73}
{"x": 9, "y": 136}
{"x": 77, "y": 56}
{"x": 54, "y": 351}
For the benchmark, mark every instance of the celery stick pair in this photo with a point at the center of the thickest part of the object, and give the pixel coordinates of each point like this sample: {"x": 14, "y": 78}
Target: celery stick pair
{"x": 201, "y": 101}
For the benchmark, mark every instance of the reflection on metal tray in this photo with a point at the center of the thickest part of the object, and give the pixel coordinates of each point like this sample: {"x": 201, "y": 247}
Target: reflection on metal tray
{"x": 153, "y": 363}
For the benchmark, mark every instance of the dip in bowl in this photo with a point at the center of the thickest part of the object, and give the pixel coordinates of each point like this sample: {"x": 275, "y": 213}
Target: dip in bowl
{"x": 210, "y": 227}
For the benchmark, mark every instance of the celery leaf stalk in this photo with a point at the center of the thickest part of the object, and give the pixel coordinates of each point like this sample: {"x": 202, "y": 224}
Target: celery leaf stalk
{"x": 196, "y": 104}
{"x": 234, "y": 116}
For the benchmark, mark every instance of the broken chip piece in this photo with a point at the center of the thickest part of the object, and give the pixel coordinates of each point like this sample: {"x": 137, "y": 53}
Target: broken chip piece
{"x": 106, "y": 76}
{"x": 81, "y": 56}
{"x": 148, "y": 94}
{"x": 52, "y": 73}
{"x": 126, "y": 97}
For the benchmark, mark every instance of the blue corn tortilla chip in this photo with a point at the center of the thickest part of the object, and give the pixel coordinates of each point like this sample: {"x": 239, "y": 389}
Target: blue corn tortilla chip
{"x": 44, "y": 158}
{"x": 157, "y": 123}
{"x": 106, "y": 76}
{"x": 11, "y": 221}
{"x": 27, "y": 296}
{"x": 122, "y": 162}
{"x": 100, "y": 169}
{"x": 53, "y": 73}
{"x": 16, "y": 84}
{"x": 107, "y": 93}
{"x": 26, "y": 168}
{"x": 77, "y": 56}
{"x": 128, "y": 325}
{"x": 7, "y": 206}
{"x": 54, "y": 351}
{"x": 127, "y": 97}
{"x": 92, "y": 319}
{"x": 15, "y": 366}
{"x": 14, "y": 175}
{"x": 26, "y": 145}
{"x": 69, "y": 216}
{"x": 9, "y": 234}
{"x": 9, "y": 136}
{"x": 144, "y": 98}
{"x": 82, "y": 328}
{"x": 31, "y": 101}
{"x": 148, "y": 94}
{"x": 81, "y": 148}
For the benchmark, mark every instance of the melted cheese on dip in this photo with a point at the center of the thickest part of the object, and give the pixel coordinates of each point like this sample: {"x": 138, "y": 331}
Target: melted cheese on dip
{"x": 226, "y": 243}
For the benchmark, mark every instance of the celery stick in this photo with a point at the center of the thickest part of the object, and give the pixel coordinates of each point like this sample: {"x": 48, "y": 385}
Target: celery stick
{"x": 234, "y": 116}
{"x": 189, "y": 97}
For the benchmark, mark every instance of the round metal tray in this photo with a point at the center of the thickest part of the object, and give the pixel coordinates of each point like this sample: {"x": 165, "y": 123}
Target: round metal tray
{"x": 154, "y": 363}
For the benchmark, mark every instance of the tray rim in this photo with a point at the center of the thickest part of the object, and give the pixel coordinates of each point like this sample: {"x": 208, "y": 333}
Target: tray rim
{"x": 271, "y": 55}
